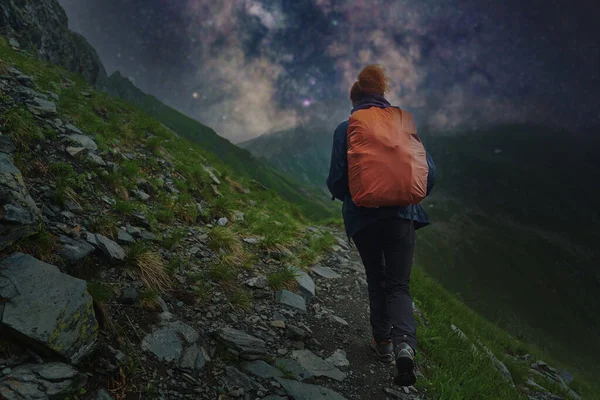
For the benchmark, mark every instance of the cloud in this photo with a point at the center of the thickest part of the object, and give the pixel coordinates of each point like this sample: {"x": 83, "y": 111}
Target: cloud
{"x": 263, "y": 65}
{"x": 238, "y": 90}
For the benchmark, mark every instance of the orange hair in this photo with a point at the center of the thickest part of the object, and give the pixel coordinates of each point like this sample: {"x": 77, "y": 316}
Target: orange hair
{"x": 372, "y": 79}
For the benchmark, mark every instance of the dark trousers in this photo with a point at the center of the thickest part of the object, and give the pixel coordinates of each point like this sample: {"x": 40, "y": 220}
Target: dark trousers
{"x": 386, "y": 248}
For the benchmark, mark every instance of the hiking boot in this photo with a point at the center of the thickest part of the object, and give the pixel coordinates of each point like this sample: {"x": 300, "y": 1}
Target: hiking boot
{"x": 404, "y": 374}
{"x": 384, "y": 350}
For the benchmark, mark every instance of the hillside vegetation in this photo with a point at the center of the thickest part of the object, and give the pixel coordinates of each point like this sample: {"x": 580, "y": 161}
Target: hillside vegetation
{"x": 241, "y": 162}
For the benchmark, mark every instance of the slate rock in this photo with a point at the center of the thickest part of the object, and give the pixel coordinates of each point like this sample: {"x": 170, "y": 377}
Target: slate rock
{"x": 241, "y": 343}
{"x": 134, "y": 231}
{"x": 253, "y": 240}
{"x": 337, "y": 320}
{"x": 14, "y": 43}
{"x": 130, "y": 295}
{"x": 42, "y": 107}
{"x": 6, "y": 145}
{"x": 316, "y": 365}
{"x": 83, "y": 141}
{"x": 325, "y": 272}
{"x": 212, "y": 175}
{"x": 19, "y": 216}
{"x": 96, "y": 159}
{"x": 102, "y": 394}
{"x": 259, "y": 281}
{"x": 75, "y": 151}
{"x": 175, "y": 342}
{"x": 338, "y": 359}
{"x": 499, "y": 365}
{"x": 73, "y": 251}
{"x": 47, "y": 306}
{"x": 304, "y": 391}
{"x": 567, "y": 376}
{"x": 222, "y": 221}
{"x": 111, "y": 249}
{"x": 140, "y": 194}
{"x": 292, "y": 368}
{"x": 305, "y": 283}
{"x": 149, "y": 236}
{"x": 261, "y": 369}
{"x": 124, "y": 237}
{"x": 291, "y": 300}
{"x": 72, "y": 129}
{"x": 41, "y": 381}
{"x": 236, "y": 379}
{"x": 74, "y": 207}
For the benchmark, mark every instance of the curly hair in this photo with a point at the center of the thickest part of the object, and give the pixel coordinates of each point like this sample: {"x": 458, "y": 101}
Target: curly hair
{"x": 372, "y": 79}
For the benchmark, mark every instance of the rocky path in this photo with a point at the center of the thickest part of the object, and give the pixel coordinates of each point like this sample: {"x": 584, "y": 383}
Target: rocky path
{"x": 320, "y": 353}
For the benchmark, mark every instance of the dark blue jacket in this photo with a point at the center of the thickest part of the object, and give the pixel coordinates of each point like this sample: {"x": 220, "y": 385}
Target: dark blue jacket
{"x": 356, "y": 218}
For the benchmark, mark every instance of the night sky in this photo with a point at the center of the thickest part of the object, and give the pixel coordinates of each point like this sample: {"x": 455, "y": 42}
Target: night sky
{"x": 246, "y": 67}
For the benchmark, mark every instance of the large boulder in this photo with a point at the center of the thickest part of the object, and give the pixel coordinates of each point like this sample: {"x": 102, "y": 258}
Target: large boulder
{"x": 41, "y": 381}
{"x": 19, "y": 216}
{"x": 44, "y": 306}
{"x": 42, "y": 26}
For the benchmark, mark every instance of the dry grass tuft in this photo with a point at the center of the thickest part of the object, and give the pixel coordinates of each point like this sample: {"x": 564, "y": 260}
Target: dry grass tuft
{"x": 150, "y": 267}
{"x": 103, "y": 317}
{"x": 235, "y": 185}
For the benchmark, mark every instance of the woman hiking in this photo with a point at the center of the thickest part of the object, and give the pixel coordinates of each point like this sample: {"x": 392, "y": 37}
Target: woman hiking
{"x": 381, "y": 171}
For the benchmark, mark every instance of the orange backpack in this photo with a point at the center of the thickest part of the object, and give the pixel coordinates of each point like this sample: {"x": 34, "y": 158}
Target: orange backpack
{"x": 387, "y": 164}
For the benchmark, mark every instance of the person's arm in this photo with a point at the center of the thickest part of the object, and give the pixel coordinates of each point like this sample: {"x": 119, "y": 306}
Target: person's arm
{"x": 431, "y": 175}
{"x": 337, "y": 181}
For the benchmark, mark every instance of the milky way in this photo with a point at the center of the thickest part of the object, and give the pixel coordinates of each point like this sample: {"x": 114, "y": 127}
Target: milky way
{"x": 246, "y": 67}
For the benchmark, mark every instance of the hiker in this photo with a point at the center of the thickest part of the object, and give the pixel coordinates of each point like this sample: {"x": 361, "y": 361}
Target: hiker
{"x": 381, "y": 171}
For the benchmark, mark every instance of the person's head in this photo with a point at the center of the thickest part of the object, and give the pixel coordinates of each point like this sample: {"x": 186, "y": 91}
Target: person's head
{"x": 371, "y": 80}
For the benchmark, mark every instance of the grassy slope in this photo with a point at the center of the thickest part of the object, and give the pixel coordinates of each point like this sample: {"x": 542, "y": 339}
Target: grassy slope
{"x": 509, "y": 241}
{"x": 298, "y": 152}
{"x": 452, "y": 372}
{"x": 241, "y": 162}
{"x": 121, "y": 128}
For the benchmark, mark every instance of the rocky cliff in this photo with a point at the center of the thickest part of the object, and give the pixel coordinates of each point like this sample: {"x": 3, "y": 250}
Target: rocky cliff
{"x": 41, "y": 26}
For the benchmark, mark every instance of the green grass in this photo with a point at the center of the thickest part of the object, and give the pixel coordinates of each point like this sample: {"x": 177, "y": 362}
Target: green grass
{"x": 241, "y": 298}
{"x": 316, "y": 245}
{"x": 222, "y": 273}
{"x": 100, "y": 292}
{"x": 224, "y": 239}
{"x": 451, "y": 369}
{"x": 283, "y": 278}
{"x": 41, "y": 246}
{"x": 20, "y": 125}
{"x": 173, "y": 238}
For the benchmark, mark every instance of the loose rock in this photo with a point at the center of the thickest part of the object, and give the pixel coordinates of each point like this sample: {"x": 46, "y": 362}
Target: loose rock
{"x": 35, "y": 381}
{"x": 242, "y": 344}
{"x": 291, "y": 300}
{"x": 304, "y": 391}
{"x": 316, "y": 365}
